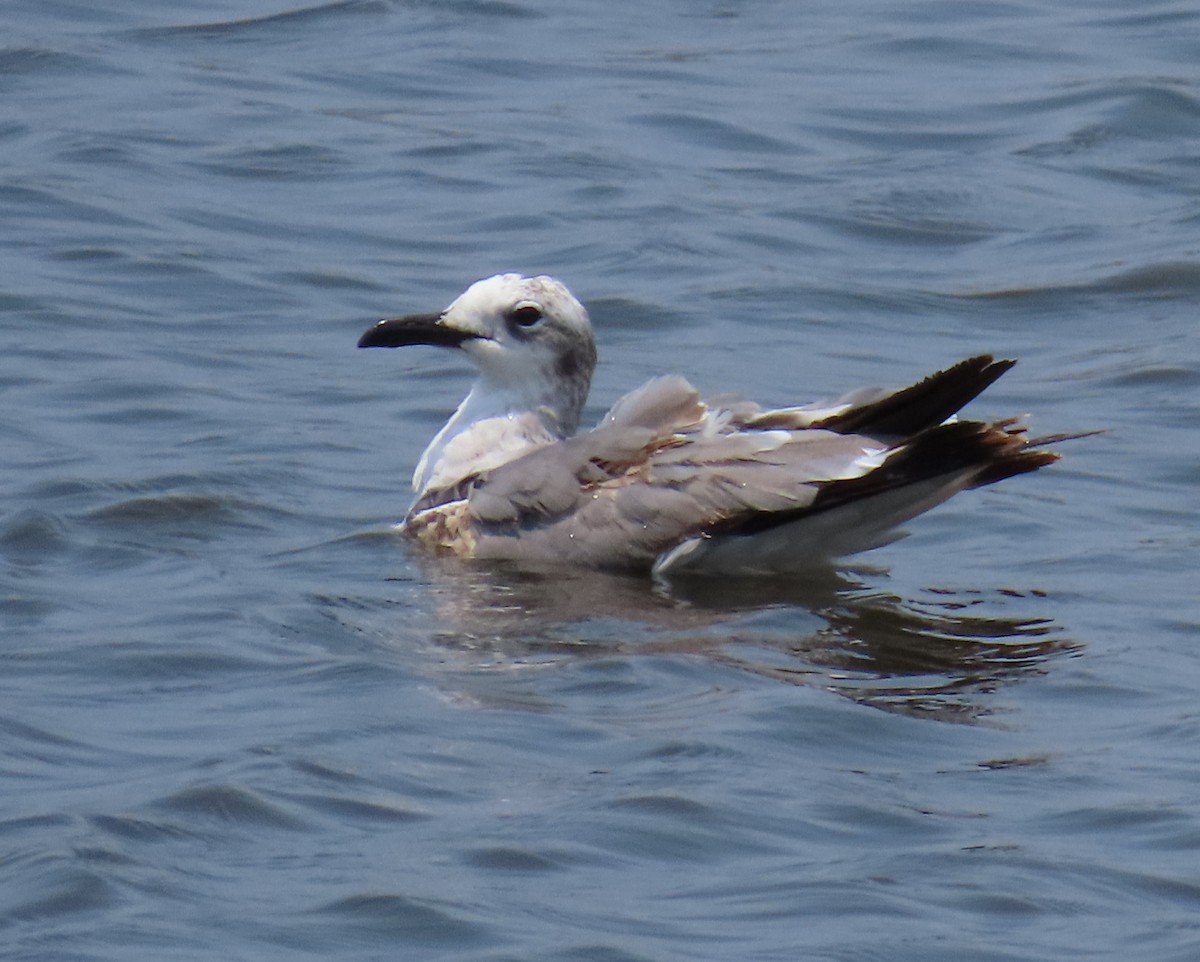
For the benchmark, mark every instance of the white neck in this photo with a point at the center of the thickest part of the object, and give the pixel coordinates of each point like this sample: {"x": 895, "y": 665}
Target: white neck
{"x": 491, "y": 427}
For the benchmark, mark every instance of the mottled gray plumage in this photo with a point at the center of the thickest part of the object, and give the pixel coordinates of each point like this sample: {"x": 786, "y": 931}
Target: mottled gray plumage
{"x": 667, "y": 482}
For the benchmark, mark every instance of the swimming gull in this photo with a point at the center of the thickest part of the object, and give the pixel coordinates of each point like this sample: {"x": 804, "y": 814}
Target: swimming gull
{"x": 668, "y": 482}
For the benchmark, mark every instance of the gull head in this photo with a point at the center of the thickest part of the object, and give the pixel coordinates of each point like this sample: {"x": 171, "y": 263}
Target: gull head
{"x": 529, "y": 337}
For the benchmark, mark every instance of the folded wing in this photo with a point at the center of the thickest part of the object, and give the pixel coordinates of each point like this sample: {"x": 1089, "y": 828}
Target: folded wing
{"x": 667, "y": 482}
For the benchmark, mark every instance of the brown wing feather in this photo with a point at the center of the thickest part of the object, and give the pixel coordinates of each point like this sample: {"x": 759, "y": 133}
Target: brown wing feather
{"x": 621, "y": 495}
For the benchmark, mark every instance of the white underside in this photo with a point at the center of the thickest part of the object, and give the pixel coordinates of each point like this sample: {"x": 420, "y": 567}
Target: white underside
{"x": 814, "y": 540}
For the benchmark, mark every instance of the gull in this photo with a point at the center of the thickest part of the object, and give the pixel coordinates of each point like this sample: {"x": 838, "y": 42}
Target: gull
{"x": 667, "y": 482}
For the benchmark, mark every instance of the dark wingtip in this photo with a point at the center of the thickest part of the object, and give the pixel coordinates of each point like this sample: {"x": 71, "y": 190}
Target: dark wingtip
{"x": 923, "y": 405}
{"x": 1010, "y": 465}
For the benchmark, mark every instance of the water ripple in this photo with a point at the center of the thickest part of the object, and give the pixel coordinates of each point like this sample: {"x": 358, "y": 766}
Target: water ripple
{"x": 383, "y": 918}
{"x": 229, "y": 804}
{"x": 700, "y": 132}
{"x": 68, "y": 894}
{"x": 1167, "y": 280}
{"x": 268, "y": 24}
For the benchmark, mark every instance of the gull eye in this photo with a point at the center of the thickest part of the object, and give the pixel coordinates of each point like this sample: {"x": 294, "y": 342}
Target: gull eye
{"x": 525, "y": 315}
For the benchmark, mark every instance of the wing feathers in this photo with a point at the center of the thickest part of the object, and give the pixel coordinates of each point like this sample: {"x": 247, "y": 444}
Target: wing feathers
{"x": 665, "y": 480}
{"x": 925, "y": 404}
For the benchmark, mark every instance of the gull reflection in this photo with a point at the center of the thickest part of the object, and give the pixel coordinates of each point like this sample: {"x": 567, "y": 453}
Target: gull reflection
{"x": 934, "y": 656}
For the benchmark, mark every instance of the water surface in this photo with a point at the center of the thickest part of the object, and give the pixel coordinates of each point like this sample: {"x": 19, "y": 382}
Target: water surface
{"x": 242, "y": 720}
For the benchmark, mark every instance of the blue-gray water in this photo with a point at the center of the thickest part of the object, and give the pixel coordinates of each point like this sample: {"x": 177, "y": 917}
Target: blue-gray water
{"x": 240, "y": 720}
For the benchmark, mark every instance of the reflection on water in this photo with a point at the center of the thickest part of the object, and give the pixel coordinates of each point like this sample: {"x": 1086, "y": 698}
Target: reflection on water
{"x": 932, "y": 656}
{"x": 926, "y": 656}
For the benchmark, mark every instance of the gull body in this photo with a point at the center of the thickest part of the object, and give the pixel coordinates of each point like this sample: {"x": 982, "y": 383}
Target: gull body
{"x": 667, "y": 482}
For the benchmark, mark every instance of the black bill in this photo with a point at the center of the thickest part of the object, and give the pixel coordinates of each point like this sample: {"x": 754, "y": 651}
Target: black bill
{"x": 414, "y": 329}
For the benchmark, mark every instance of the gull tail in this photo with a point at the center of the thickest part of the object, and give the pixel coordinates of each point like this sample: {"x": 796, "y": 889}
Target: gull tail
{"x": 857, "y": 514}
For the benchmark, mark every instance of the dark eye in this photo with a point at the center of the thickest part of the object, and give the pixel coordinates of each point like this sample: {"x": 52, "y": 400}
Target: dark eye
{"x": 527, "y": 315}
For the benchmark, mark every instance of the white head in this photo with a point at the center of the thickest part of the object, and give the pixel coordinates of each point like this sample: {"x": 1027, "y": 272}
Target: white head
{"x": 532, "y": 343}
{"x": 529, "y": 337}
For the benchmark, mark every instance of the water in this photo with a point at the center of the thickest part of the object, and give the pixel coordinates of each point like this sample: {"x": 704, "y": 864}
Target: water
{"x": 240, "y": 720}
